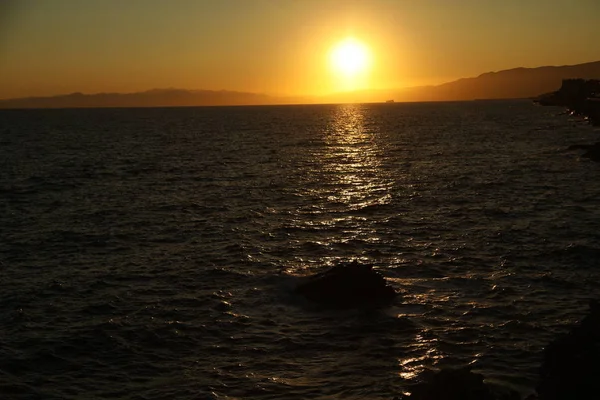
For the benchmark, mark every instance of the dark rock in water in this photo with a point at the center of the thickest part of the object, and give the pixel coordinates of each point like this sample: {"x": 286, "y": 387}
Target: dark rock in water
{"x": 459, "y": 384}
{"x": 571, "y": 364}
{"x": 593, "y": 109}
{"x": 592, "y": 151}
{"x": 578, "y": 147}
{"x": 348, "y": 286}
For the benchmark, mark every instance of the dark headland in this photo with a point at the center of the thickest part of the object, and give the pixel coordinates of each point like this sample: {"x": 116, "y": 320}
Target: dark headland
{"x": 580, "y": 97}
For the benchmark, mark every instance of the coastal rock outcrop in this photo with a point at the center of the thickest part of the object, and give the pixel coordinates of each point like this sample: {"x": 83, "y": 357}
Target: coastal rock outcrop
{"x": 592, "y": 151}
{"x": 593, "y": 109}
{"x": 581, "y": 96}
{"x": 351, "y": 285}
{"x": 458, "y": 384}
{"x": 571, "y": 363}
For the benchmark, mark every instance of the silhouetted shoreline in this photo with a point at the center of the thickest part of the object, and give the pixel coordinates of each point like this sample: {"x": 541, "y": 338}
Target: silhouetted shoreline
{"x": 515, "y": 83}
{"x": 581, "y": 97}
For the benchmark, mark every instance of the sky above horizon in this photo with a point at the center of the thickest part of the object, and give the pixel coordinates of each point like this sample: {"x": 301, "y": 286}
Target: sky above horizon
{"x": 280, "y": 47}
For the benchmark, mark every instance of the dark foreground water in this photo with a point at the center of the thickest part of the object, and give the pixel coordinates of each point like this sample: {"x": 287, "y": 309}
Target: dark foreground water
{"x": 151, "y": 253}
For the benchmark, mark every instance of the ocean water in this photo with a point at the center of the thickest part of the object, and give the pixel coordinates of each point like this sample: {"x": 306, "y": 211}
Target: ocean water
{"x": 152, "y": 253}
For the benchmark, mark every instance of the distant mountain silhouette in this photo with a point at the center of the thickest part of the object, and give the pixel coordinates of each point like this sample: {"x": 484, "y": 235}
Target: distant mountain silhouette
{"x": 511, "y": 83}
{"x": 150, "y": 98}
{"x": 506, "y": 84}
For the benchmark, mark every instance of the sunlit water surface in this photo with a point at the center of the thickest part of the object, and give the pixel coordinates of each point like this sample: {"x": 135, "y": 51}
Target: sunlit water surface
{"x": 151, "y": 253}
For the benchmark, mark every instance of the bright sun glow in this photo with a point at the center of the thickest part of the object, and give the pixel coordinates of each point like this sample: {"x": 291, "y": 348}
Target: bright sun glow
{"x": 350, "y": 58}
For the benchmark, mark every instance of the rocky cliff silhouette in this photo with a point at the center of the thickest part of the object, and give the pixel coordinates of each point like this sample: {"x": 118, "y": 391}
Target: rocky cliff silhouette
{"x": 507, "y": 84}
{"x": 150, "y": 98}
{"x": 513, "y": 83}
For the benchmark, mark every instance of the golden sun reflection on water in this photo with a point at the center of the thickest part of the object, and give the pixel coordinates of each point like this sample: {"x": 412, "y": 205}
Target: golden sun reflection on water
{"x": 353, "y": 160}
{"x": 428, "y": 349}
{"x": 351, "y": 178}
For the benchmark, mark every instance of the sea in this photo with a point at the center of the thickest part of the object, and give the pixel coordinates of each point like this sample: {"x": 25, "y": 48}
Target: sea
{"x": 153, "y": 253}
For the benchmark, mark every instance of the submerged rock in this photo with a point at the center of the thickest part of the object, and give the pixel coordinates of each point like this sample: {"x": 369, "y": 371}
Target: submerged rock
{"x": 571, "y": 363}
{"x": 592, "y": 151}
{"x": 593, "y": 110}
{"x": 459, "y": 384}
{"x": 350, "y": 285}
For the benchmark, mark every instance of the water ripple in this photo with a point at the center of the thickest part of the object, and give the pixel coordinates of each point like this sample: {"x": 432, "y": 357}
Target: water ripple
{"x": 152, "y": 253}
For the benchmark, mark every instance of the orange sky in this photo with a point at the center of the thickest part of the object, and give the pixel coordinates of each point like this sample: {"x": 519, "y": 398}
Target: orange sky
{"x": 50, "y": 47}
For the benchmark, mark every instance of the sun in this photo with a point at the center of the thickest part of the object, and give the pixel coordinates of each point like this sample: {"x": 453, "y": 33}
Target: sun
{"x": 350, "y": 58}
